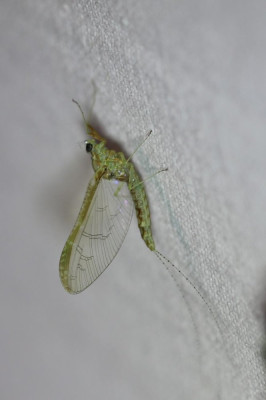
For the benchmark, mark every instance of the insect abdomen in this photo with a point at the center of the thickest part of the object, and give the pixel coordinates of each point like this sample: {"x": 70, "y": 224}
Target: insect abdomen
{"x": 139, "y": 197}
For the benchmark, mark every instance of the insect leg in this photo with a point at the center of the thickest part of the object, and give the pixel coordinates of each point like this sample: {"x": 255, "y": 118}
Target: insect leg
{"x": 148, "y": 134}
{"x": 138, "y": 183}
{"x": 148, "y": 177}
{"x": 119, "y": 187}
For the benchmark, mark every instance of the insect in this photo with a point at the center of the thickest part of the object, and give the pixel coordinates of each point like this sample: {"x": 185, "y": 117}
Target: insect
{"x": 105, "y": 215}
{"x": 104, "y": 218}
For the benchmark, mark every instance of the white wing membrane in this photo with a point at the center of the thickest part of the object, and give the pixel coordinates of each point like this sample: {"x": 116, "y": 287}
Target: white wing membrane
{"x": 100, "y": 235}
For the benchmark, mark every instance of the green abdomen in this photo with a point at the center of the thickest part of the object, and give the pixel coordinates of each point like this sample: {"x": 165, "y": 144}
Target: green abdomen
{"x": 142, "y": 208}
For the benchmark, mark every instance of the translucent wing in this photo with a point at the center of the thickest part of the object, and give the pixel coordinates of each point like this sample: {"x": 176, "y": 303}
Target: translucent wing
{"x": 99, "y": 232}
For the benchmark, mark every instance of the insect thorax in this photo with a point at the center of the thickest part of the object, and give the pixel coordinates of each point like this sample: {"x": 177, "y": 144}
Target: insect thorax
{"x": 112, "y": 163}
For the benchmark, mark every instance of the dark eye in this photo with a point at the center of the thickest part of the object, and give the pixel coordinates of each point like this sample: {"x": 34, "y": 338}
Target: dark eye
{"x": 89, "y": 147}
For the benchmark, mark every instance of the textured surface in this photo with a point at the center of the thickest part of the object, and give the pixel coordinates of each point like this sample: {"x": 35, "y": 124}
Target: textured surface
{"x": 194, "y": 72}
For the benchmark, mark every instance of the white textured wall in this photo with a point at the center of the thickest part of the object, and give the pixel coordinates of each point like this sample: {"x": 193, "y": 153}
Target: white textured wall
{"x": 194, "y": 72}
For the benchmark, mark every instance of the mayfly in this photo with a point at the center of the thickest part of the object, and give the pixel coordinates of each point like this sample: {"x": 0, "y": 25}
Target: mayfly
{"x": 105, "y": 216}
{"x": 104, "y": 219}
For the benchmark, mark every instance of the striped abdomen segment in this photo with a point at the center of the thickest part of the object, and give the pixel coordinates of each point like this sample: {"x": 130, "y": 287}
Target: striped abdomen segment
{"x": 142, "y": 207}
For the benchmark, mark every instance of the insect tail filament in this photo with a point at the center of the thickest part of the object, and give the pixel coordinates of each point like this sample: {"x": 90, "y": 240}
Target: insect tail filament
{"x": 166, "y": 262}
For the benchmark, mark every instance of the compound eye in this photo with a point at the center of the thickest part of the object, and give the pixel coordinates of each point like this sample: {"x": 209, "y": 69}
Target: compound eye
{"x": 89, "y": 147}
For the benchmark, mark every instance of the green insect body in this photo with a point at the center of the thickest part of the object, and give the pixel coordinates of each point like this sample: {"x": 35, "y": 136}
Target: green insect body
{"x": 104, "y": 217}
{"x": 142, "y": 208}
{"x": 113, "y": 165}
